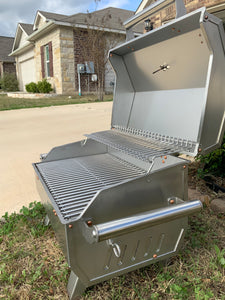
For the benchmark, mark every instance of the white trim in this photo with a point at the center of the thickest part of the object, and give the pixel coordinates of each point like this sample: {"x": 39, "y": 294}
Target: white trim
{"x": 16, "y": 35}
{"x": 25, "y": 47}
{"x": 41, "y": 31}
{"x": 52, "y": 24}
{"x": 142, "y": 6}
{"x": 38, "y": 14}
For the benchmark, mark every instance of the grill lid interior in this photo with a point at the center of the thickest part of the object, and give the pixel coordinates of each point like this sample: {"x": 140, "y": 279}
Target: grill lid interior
{"x": 169, "y": 81}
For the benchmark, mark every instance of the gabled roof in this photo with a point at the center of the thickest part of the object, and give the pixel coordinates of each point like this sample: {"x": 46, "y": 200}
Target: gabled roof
{"x": 110, "y": 17}
{"x": 52, "y": 16}
{"x": 22, "y": 28}
{"x": 27, "y": 28}
{"x": 6, "y": 44}
{"x": 47, "y": 16}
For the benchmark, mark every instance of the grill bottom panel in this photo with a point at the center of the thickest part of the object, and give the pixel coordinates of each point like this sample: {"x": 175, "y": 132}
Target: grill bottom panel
{"x": 73, "y": 182}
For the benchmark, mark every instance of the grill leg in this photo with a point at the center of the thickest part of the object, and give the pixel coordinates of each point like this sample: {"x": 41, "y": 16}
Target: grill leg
{"x": 47, "y": 220}
{"x": 75, "y": 287}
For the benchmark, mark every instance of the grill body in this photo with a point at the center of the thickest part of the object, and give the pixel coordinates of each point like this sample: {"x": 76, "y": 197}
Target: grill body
{"x": 117, "y": 200}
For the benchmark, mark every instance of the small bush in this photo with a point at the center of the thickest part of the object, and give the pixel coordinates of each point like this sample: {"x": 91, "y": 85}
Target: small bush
{"x": 44, "y": 86}
{"x": 214, "y": 162}
{"x": 32, "y": 87}
{"x": 9, "y": 83}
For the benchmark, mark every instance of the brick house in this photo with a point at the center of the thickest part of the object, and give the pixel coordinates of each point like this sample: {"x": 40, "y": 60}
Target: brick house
{"x": 7, "y": 63}
{"x": 51, "y": 48}
{"x": 216, "y": 7}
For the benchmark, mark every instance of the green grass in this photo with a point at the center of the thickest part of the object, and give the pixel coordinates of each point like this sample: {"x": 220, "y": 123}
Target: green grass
{"x": 8, "y": 103}
{"x": 32, "y": 265}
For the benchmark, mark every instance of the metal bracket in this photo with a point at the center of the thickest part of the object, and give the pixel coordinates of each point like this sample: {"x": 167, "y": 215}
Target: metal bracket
{"x": 129, "y": 34}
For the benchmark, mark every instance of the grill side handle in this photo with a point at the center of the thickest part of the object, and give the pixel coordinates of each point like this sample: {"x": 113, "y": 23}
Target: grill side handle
{"x": 112, "y": 229}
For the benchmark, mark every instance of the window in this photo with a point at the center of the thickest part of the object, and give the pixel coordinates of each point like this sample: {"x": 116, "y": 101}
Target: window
{"x": 46, "y": 60}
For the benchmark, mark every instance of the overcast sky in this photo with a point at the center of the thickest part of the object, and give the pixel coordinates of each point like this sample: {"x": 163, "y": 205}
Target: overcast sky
{"x": 24, "y": 11}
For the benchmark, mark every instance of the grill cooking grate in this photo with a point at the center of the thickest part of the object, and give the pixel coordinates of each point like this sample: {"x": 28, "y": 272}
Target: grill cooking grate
{"x": 74, "y": 182}
{"x": 141, "y": 148}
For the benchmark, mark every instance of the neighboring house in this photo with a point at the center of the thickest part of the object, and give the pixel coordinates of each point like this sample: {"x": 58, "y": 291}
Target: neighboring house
{"x": 7, "y": 63}
{"x": 216, "y": 7}
{"x": 50, "y": 47}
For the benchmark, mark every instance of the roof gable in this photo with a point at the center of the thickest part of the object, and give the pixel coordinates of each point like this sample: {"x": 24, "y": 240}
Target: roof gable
{"x": 42, "y": 17}
{"x": 22, "y": 32}
{"x": 6, "y": 44}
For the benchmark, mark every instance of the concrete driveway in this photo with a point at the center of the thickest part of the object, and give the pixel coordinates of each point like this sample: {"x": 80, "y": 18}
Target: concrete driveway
{"x": 26, "y": 133}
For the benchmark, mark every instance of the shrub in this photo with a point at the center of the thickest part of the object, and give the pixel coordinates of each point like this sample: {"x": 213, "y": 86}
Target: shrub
{"x": 32, "y": 87}
{"x": 9, "y": 82}
{"x": 44, "y": 86}
{"x": 214, "y": 162}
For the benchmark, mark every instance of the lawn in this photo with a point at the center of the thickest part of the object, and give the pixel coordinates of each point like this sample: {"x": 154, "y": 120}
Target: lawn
{"x": 32, "y": 265}
{"x": 7, "y": 103}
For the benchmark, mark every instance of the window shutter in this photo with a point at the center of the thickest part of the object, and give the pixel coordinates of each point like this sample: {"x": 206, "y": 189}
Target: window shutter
{"x": 50, "y": 59}
{"x": 42, "y": 62}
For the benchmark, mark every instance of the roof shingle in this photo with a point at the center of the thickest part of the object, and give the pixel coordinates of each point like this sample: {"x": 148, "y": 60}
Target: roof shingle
{"x": 28, "y": 28}
{"x": 6, "y": 44}
{"x": 109, "y": 17}
{"x": 52, "y": 16}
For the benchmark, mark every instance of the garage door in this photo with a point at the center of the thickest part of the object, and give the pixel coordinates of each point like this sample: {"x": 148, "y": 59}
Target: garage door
{"x": 27, "y": 72}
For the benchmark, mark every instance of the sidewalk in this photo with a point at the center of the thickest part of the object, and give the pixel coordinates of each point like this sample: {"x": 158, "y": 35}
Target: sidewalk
{"x": 26, "y": 133}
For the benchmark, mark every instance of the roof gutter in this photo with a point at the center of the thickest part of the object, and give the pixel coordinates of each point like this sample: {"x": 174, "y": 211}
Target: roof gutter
{"x": 84, "y": 26}
{"x": 38, "y": 33}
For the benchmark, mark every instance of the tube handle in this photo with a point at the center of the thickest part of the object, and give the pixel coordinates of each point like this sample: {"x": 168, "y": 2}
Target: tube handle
{"x": 112, "y": 229}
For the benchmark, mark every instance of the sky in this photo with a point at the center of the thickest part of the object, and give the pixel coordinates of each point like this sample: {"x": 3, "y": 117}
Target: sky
{"x": 13, "y": 12}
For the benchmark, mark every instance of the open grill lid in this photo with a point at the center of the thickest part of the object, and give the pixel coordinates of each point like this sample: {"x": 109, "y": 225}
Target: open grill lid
{"x": 170, "y": 83}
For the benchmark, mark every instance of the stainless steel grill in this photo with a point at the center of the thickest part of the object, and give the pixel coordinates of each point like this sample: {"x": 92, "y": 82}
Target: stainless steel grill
{"x": 118, "y": 199}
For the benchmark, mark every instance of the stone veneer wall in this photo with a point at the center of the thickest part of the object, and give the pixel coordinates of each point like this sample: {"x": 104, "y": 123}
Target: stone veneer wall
{"x": 63, "y": 80}
{"x": 67, "y": 60}
{"x": 56, "y": 80}
{"x": 170, "y": 11}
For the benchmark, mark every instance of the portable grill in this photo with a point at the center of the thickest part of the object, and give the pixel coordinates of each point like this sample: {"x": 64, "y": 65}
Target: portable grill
{"x": 118, "y": 199}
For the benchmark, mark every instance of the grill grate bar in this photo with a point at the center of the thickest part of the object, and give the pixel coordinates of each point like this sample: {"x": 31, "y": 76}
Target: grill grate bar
{"x": 133, "y": 145}
{"x": 74, "y": 182}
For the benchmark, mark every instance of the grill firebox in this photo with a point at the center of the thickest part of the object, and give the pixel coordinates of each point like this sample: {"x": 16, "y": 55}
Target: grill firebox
{"x": 117, "y": 200}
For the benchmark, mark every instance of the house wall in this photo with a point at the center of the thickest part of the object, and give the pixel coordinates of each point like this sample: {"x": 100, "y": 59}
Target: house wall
{"x": 56, "y": 80}
{"x": 63, "y": 81}
{"x": 1, "y": 69}
{"x": 86, "y": 84}
{"x": 67, "y": 60}
{"x": 22, "y": 39}
{"x": 170, "y": 11}
{"x": 40, "y": 22}
{"x": 9, "y": 67}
